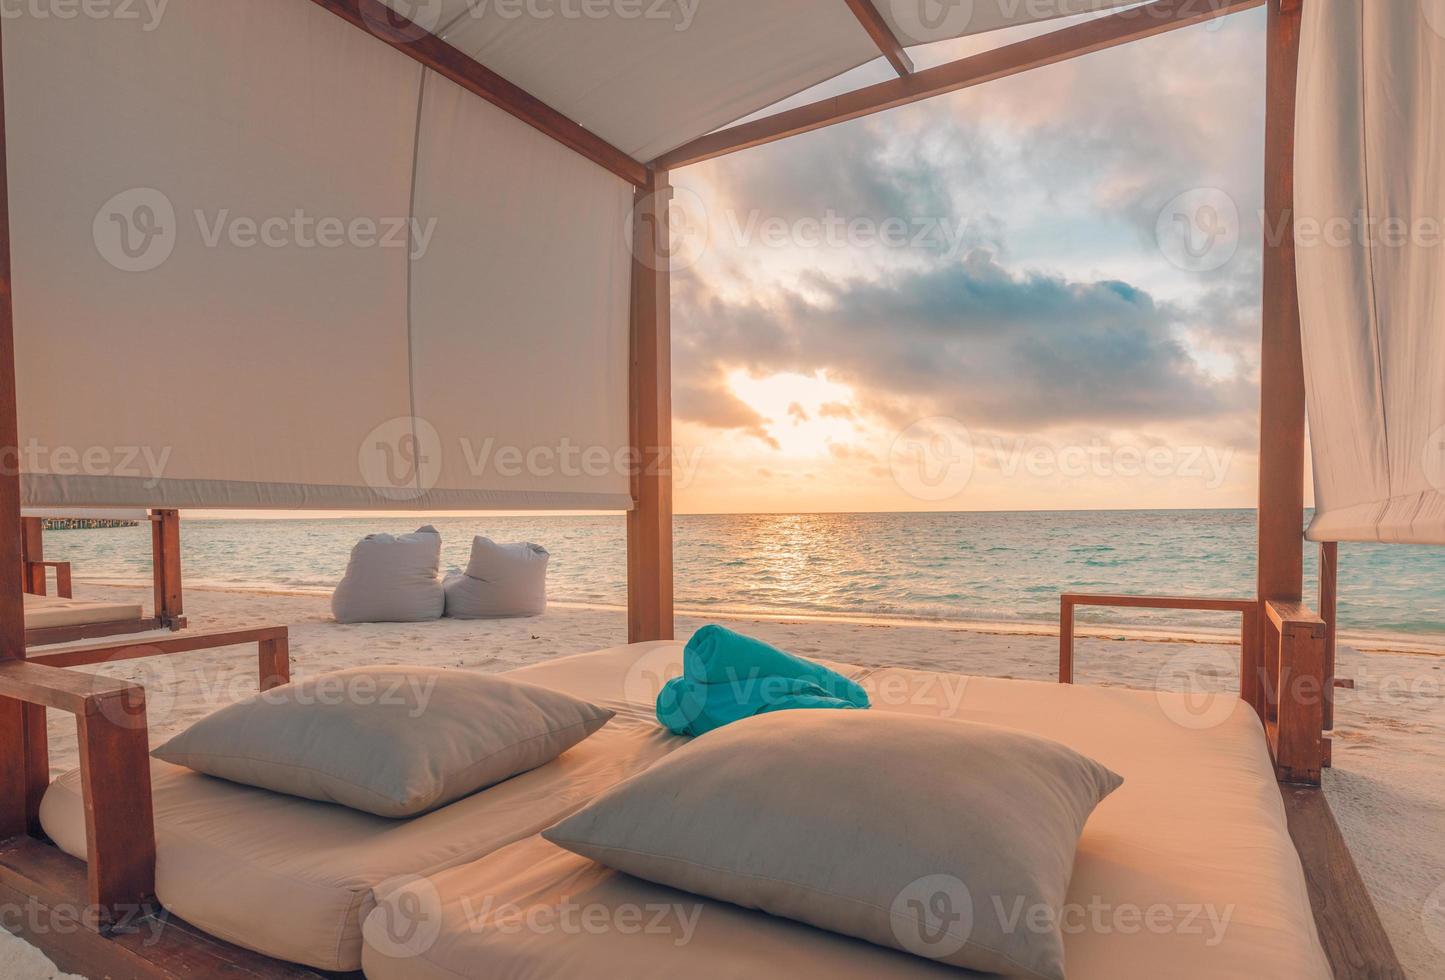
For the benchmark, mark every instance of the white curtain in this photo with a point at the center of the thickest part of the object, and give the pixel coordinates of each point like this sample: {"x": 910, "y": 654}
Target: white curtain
{"x": 1370, "y": 204}
{"x": 254, "y": 269}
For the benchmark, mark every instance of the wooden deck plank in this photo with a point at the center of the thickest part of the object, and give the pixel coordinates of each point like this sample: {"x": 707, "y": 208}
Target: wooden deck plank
{"x": 1350, "y": 929}
{"x": 49, "y": 887}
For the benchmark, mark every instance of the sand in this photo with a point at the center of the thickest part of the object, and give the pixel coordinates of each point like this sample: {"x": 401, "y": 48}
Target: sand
{"x": 1387, "y": 787}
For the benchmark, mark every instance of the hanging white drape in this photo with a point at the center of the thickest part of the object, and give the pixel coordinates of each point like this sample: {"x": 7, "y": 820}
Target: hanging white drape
{"x": 1370, "y": 205}
{"x": 263, "y": 260}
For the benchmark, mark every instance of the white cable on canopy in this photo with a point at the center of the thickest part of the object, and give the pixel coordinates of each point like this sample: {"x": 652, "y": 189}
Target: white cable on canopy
{"x": 1370, "y": 235}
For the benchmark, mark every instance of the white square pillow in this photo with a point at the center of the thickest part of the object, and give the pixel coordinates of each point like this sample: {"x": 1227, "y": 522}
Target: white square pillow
{"x": 393, "y": 741}
{"x": 946, "y": 839}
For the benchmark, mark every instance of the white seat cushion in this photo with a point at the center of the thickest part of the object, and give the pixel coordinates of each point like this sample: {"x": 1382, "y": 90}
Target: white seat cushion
{"x": 50, "y": 612}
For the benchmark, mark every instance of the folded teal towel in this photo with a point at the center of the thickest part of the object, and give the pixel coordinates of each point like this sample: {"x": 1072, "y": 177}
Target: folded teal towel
{"x": 727, "y": 677}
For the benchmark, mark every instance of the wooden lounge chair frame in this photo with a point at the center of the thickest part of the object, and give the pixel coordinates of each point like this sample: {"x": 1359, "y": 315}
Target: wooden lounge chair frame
{"x": 100, "y": 903}
{"x": 166, "y": 572}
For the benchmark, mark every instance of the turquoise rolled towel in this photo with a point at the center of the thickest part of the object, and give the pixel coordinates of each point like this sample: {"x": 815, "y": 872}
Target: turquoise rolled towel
{"x": 727, "y": 677}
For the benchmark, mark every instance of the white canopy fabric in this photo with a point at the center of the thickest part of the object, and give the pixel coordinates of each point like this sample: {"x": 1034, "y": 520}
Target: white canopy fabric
{"x": 203, "y": 340}
{"x": 1371, "y": 257}
{"x": 264, "y": 260}
{"x": 650, "y": 75}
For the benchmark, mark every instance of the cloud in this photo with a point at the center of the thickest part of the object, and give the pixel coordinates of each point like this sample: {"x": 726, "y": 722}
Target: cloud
{"x": 713, "y": 405}
{"x": 1059, "y": 311}
{"x": 973, "y": 340}
{"x": 798, "y": 413}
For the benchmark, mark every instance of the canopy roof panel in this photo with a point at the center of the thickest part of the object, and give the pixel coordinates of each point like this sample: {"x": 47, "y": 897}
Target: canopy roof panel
{"x": 650, "y": 75}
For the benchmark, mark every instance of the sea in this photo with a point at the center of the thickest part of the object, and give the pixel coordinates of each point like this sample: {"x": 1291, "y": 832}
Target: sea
{"x": 967, "y": 568}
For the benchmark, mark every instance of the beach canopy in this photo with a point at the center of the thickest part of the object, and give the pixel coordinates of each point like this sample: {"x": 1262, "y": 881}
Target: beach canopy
{"x": 1370, "y": 241}
{"x": 265, "y": 259}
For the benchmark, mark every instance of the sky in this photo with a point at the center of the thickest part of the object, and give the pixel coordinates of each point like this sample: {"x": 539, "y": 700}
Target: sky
{"x": 1041, "y": 293}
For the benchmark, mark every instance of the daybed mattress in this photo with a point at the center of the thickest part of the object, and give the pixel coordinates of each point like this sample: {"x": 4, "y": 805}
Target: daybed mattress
{"x": 1198, "y": 829}
{"x": 1186, "y": 872}
{"x": 50, "y": 612}
{"x": 294, "y": 878}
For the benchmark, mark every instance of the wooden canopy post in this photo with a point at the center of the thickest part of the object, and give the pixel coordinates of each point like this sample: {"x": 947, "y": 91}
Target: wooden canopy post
{"x": 1281, "y": 368}
{"x": 32, "y": 551}
{"x": 166, "y": 567}
{"x": 649, "y": 523}
{"x": 1293, "y": 673}
{"x": 16, "y": 720}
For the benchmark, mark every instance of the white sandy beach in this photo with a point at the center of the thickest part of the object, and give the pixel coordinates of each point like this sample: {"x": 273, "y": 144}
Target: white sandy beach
{"x": 1387, "y": 787}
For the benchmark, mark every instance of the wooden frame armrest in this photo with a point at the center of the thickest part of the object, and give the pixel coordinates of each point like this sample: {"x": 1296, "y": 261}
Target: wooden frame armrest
{"x": 35, "y": 578}
{"x": 272, "y": 643}
{"x": 115, "y": 775}
{"x": 1248, "y": 632}
{"x": 114, "y": 752}
{"x": 1300, "y": 688}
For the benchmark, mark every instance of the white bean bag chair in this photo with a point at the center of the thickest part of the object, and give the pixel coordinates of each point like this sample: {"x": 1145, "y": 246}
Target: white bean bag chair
{"x": 501, "y": 580}
{"x": 392, "y": 579}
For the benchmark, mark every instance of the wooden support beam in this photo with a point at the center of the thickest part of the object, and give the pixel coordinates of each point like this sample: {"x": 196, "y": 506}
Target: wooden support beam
{"x": 649, "y": 523}
{"x": 882, "y": 35}
{"x": 425, "y": 48}
{"x": 1349, "y": 927}
{"x": 166, "y": 567}
{"x": 1282, "y": 384}
{"x": 1330, "y": 613}
{"x": 1013, "y": 59}
{"x": 1281, "y": 371}
{"x": 16, "y": 720}
{"x": 32, "y": 552}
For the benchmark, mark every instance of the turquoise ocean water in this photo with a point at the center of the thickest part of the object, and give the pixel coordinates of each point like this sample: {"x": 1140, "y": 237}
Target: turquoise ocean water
{"x": 976, "y": 568}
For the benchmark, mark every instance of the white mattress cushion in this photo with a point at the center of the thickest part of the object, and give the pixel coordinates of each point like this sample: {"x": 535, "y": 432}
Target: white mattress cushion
{"x": 1187, "y": 871}
{"x": 51, "y": 612}
{"x": 293, "y": 878}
